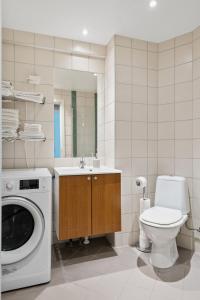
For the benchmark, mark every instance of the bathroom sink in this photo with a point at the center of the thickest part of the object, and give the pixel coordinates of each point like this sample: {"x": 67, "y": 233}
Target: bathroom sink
{"x": 64, "y": 171}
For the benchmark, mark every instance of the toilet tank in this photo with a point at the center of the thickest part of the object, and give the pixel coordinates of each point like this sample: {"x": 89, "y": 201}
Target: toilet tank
{"x": 172, "y": 192}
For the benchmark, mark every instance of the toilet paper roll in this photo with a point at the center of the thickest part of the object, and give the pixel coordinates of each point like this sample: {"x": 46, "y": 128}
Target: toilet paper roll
{"x": 144, "y": 204}
{"x": 141, "y": 182}
{"x": 144, "y": 242}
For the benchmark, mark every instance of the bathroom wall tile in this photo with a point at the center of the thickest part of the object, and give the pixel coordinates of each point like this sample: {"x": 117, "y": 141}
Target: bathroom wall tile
{"x": 122, "y": 55}
{"x": 139, "y": 58}
{"x": 44, "y": 113}
{"x": 152, "y": 149}
{"x": 8, "y": 70}
{"x": 44, "y": 149}
{"x": 166, "y": 148}
{"x": 183, "y": 129}
{"x": 166, "y": 45}
{"x": 183, "y": 149}
{"x": 183, "y": 73}
{"x": 196, "y": 131}
{"x": 8, "y": 150}
{"x": 196, "y": 33}
{"x": 166, "y": 59}
{"x": 152, "y": 113}
{"x": 96, "y": 65}
{"x": 122, "y": 41}
{"x": 124, "y": 164}
{"x": 152, "y": 78}
{"x": 153, "y": 47}
{"x": 43, "y": 40}
{"x": 45, "y": 73}
{"x": 166, "y": 77}
{"x": 81, "y": 47}
{"x": 152, "y": 131}
{"x": 139, "y": 112}
{"x": 22, "y": 71}
{"x": 165, "y": 112}
{"x": 196, "y": 109}
{"x": 166, "y": 130}
{"x": 196, "y": 169}
{"x": 183, "y": 167}
{"x": 123, "y": 111}
{"x": 47, "y": 91}
{"x": 139, "y": 44}
{"x": 139, "y": 166}
{"x": 8, "y": 163}
{"x": 44, "y": 57}
{"x": 139, "y": 76}
{"x": 7, "y": 34}
{"x": 98, "y": 50}
{"x": 7, "y": 52}
{"x": 183, "y": 39}
{"x": 196, "y": 69}
{"x": 183, "y": 91}
{"x": 183, "y": 110}
{"x": 139, "y": 130}
{"x": 123, "y": 148}
{"x": 152, "y": 95}
{"x": 196, "y": 49}
{"x": 23, "y": 149}
{"x": 123, "y": 130}
{"x": 123, "y": 74}
{"x": 183, "y": 54}
{"x": 80, "y": 63}
{"x": 63, "y": 44}
{"x": 139, "y": 94}
{"x": 196, "y": 89}
{"x": 196, "y": 148}
{"x": 22, "y": 163}
{"x": 152, "y": 60}
{"x": 24, "y": 37}
{"x": 24, "y": 54}
{"x": 166, "y": 94}
{"x": 63, "y": 60}
{"x": 123, "y": 92}
{"x": 165, "y": 166}
{"x": 139, "y": 148}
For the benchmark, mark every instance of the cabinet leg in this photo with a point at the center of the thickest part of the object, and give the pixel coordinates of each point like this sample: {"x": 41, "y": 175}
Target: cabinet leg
{"x": 86, "y": 240}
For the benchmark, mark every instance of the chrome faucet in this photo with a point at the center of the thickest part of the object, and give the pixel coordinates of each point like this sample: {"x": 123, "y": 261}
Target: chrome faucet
{"x": 82, "y": 162}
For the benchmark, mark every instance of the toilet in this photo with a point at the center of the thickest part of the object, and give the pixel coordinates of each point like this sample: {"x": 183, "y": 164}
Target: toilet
{"x": 163, "y": 222}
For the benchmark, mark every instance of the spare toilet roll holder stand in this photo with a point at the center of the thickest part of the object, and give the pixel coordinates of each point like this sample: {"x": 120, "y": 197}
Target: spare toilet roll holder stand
{"x": 141, "y": 182}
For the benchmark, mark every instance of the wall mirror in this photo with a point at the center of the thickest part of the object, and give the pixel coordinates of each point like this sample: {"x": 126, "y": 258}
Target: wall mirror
{"x": 75, "y": 113}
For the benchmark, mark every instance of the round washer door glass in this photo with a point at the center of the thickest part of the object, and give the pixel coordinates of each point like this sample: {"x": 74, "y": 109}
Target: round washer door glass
{"x": 22, "y": 228}
{"x": 17, "y": 226}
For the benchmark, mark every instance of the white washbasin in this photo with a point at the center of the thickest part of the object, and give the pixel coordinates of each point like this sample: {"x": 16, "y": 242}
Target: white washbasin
{"x": 64, "y": 171}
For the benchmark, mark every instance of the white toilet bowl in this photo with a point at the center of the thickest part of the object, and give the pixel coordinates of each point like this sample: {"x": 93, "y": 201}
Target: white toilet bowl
{"x": 162, "y": 222}
{"x": 163, "y": 236}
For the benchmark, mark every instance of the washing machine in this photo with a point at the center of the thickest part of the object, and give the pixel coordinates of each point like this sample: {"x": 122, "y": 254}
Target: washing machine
{"x": 26, "y": 227}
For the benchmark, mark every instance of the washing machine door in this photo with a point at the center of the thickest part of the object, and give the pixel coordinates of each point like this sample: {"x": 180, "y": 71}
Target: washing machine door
{"x": 22, "y": 228}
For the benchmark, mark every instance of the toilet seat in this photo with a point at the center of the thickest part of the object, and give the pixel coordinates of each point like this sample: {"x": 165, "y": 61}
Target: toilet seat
{"x": 162, "y": 217}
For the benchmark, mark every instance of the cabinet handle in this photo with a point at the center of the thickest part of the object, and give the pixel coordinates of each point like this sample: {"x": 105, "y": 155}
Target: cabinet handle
{"x": 89, "y": 178}
{"x": 95, "y": 177}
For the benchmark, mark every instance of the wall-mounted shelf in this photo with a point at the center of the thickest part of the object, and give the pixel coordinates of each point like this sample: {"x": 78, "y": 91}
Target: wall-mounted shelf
{"x": 13, "y": 98}
{"x": 12, "y": 139}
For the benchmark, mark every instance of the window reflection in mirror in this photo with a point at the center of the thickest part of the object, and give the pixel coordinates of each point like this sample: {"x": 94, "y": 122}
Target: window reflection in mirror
{"x": 75, "y": 113}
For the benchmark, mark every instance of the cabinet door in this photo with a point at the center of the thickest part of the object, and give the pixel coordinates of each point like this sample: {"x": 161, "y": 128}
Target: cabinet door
{"x": 106, "y": 203}
{"x": 74, "y": 206}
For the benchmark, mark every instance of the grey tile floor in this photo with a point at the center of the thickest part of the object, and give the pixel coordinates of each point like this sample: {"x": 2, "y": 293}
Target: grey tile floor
{"x": 98, "y": 272}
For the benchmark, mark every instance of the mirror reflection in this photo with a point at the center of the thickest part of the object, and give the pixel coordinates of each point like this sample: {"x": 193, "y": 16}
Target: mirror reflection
{"x": 75, "y": 113}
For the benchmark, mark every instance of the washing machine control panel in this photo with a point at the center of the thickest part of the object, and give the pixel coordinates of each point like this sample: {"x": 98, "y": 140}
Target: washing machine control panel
{"x": 26, "y": 185}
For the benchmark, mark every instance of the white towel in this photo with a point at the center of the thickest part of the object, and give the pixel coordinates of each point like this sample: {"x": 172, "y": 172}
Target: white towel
{"x": 29, "y": 96}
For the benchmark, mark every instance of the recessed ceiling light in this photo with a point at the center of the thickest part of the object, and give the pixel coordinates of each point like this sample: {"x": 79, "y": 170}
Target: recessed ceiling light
{"x": 95, "y": 74}
{"x": 153, "y": 3}
{"x": 85, "y": 31}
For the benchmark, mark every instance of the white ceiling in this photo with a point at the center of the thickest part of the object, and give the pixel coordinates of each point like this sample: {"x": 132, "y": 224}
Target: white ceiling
{"x": 103, "y": 18}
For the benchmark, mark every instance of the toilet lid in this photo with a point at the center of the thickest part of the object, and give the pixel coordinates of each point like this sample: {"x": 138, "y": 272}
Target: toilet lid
{"x": 161, "y": 215}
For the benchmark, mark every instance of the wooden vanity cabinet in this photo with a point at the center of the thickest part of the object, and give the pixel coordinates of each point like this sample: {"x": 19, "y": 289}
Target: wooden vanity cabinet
{"x": 106, "y": 203}
{"x": 74, "y": 206}
{"x": 88, "y": 205}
